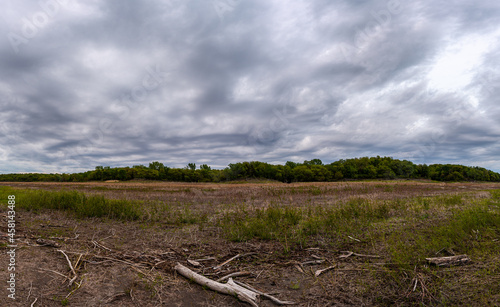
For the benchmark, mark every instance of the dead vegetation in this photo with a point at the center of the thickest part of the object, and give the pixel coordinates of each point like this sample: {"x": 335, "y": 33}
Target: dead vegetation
{"x": 322, "y": 244}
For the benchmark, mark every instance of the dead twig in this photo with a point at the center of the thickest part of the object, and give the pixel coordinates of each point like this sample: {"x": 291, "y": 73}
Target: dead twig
{"x": 313, "y": 262}
{"x": 299, "y": 268}
{"x": 55, "y": 272}
{"x": 97, "y": 244}
{"x": 29, "y": 293}
{"x": 231, "y": 259}
{"x": 354, "y": 239}
{"x": 263, "y": 271}
{"x": 319, "y": 272}
{"x": 33, "y": 304}
{"x": 115, "y": 297}
{"x": 205, "y": 259}
{"x": 70, "y": 266}
{"x": 272, "y": 298}
{"x": 235, "y": 274}
{"x": 349, "y": 253}
{"x": 78, "y": 284}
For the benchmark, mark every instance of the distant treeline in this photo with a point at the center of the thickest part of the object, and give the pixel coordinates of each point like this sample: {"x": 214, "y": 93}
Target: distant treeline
{"x": 313, "y": 170}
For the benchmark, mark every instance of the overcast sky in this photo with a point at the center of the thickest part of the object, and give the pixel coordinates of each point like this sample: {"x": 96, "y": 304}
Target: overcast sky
{"x": 118, "y": 83}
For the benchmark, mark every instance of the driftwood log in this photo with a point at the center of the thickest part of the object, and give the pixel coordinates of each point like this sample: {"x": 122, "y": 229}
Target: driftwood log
{"x": 449, "y": 261}
{"x": 230, "y": 287}
{"x": 242, "y": 291}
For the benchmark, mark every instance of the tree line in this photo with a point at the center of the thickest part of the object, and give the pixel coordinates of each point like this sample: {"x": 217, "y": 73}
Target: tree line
{"x": 308, "y": 171}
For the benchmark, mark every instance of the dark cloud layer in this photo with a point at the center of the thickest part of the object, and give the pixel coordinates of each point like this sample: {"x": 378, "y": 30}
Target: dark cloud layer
{"x": 86, "y": 83}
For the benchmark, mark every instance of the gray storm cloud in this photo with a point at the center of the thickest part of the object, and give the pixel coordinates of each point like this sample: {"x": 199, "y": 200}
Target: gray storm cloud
{"x": 86, "y": 83}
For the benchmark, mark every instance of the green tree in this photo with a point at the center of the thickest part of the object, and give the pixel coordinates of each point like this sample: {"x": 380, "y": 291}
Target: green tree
{"x": 313, "y": 162}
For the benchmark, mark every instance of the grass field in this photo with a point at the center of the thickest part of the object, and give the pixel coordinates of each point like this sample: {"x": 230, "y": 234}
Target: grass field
{"x": 125, "y": 238}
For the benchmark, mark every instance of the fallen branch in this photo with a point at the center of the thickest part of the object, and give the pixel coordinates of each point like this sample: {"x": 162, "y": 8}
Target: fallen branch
{"x": 33, "y": 304}
{"x": 319, "y": 272}
{"x": 272, "y": 298}
{"x": 449, "y": 261}
{"x": 70, "y": 266}
{"x": 230, "y": 287}
{"x": 236, "y": 274}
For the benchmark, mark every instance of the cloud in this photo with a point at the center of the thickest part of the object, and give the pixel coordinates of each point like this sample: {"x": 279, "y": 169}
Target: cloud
{"x": 222, "y": 81}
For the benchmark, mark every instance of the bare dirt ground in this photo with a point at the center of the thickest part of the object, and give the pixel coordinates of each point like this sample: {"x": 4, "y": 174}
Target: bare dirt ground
{"x": 131, "y": 263}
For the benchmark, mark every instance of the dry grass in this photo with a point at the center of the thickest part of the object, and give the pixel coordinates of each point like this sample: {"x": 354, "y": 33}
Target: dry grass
{"x": 401, "y": 221}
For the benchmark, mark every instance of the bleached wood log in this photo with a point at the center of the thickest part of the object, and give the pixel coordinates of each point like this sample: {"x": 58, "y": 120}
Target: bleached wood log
{"x": 230, "y": 287}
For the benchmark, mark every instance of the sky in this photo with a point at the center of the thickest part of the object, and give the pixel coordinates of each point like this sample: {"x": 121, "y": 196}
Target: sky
{"x": 121, "y": 83}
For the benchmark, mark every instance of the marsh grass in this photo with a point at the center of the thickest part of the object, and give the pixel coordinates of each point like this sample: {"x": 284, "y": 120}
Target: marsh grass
{"x": 298, "y": 224}
{"x": 83, "y": 206}
{"x": 79, "y": 203}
